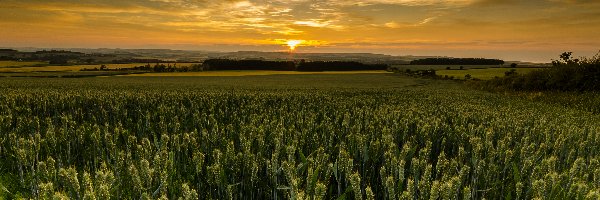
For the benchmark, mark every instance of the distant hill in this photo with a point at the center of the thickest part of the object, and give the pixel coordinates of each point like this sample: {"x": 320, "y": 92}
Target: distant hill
{"x": 107, "y": 55}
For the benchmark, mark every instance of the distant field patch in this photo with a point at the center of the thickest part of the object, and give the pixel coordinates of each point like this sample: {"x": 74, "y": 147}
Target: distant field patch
{"x": 57, "y": 74}
{"x": 443, "y": 67}
{"x": 440, "y": 67}
{"x": 254, "y": 73}
{"x": 9, "y": 64}
{"x": 484, "y": 74}
{"x": 26, "y": 68}
{"x": 42, "y": 69}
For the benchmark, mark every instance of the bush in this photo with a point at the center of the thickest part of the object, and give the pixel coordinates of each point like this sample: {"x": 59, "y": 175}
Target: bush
{"x": 567, "y": 74}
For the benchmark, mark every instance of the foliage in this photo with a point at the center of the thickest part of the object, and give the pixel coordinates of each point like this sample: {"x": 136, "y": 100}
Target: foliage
{"x": 136, "y": 139}
{"x": 430, "y": 73}
{"x": 227, "y": 64}
{"x": 338, "y": 66}
{"x": 567, "y": 74}
{"x": 158, "y": 67}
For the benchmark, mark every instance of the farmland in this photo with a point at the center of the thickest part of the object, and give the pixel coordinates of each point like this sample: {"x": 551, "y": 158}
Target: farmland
{"x": 26, "y": 66}
{"x": 324, "y": 136}
{"x": 441, "y": 67}
{"x": 41, "y": 69}
{"x": 16, "y": 64}
{"x": 255, "y": 73}
{"x": 484, "y": 74}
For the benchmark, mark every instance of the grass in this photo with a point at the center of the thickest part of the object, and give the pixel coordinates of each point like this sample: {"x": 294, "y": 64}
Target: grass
{"x": 441, "y": 67}
{"x": 43, "y": 69}
{"x": 276, "y": 81}
{"x": 8, "y": 186}
{"x": 255, "y": 73}
{"x": 12, "y": 64}
{"x": 30, "y": 68}
{"x": 56, "y": 74}
{"x": 484, "y": 74}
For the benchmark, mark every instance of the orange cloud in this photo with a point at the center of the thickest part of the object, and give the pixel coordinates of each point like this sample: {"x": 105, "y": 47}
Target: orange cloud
{"x": 369, "y": 24}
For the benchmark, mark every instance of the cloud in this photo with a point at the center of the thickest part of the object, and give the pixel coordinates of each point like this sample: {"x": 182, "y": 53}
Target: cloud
{"x": 494, "y": 2}
{"x": 403, "y": 2}
{"x": 384, "y": 24}
{"x": 261, "y": 16}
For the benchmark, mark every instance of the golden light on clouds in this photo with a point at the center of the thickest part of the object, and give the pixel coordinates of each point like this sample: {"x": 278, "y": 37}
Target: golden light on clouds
{"x": 292, "y": 44}
{"x": 508, "y": 29}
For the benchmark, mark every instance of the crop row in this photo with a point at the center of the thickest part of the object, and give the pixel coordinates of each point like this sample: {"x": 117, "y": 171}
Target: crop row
{"x": 294, "y": 144}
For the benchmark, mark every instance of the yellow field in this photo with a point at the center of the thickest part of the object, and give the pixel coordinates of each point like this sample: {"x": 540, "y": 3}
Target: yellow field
{"x": 254, "y": 73}
{"x": 78, "y": 67}
{"x": 484, "y": 74}
{"x": 19, "y": 64}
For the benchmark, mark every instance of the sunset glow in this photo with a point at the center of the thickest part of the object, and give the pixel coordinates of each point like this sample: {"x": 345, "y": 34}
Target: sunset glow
{"x": 535, "y": 30}
{"x": 293, "y": 44}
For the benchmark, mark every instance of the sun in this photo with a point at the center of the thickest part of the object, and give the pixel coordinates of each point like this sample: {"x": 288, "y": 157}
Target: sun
{"x": 293, "y": 44}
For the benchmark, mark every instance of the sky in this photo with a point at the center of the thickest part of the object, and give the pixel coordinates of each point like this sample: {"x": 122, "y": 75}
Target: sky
{"x": 526, "y": 30}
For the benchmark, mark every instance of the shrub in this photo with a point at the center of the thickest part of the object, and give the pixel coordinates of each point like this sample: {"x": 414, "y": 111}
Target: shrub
{"x": 567, "y": 74}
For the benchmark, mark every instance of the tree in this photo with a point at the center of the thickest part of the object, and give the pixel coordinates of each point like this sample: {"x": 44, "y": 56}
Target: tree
{"x": 513, "y": 65}
{"x": 566, "y": 56}
{"x": 565, "y": 59}
{"x": 58, "y": 60}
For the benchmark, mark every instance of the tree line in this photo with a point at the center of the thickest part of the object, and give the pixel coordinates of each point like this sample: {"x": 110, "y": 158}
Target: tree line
{"x": 226, "y": 64}
{"x": 158, "y": 67}
{"x": 457, "y": 61}
{"x": 338, "y": 66}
